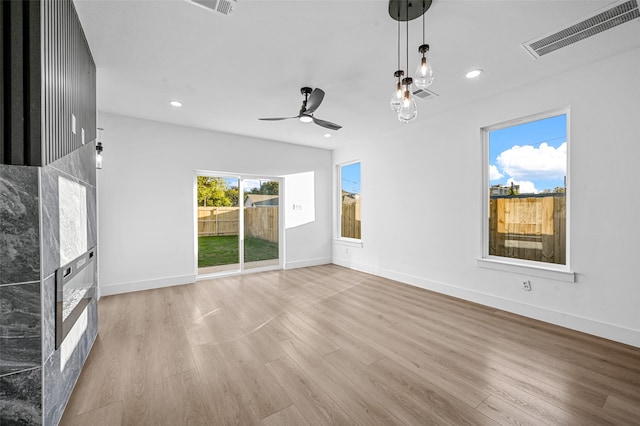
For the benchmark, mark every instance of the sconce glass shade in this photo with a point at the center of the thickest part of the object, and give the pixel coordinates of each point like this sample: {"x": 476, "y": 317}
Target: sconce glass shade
{"x": 99, "y": 148}
{"x": 99, "y": 156}
{"x": 424, "y": 74}
{"x": 408, "y": 111}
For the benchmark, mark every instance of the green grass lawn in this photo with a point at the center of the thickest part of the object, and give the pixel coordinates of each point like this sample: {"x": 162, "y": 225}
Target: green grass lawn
{"x": 223, "y": 250}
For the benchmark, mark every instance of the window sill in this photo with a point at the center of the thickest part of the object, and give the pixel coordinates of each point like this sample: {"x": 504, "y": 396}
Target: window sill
{"x": 349, "y": 243}
{"x": 532, "y": 270}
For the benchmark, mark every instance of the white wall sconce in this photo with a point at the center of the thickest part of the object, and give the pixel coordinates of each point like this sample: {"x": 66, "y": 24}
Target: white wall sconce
{"x": 99, "y": 147}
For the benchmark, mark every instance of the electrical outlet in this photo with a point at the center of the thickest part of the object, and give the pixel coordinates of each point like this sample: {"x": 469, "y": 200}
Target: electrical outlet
{"x": 526, "y": 285}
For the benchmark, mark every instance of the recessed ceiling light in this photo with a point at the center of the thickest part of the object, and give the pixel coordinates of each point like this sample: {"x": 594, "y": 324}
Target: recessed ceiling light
{"x": 473, "y": 73}
{"x": 176, "y": 104}
{"x": 327, "y": 135}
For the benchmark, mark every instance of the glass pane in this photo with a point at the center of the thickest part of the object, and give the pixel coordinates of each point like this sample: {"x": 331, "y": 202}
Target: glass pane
{"x": 261, "y": 205}
{"x": 218, "y": 224}
{"x": 527, "y": 202}
{"x": 350, "y": 196}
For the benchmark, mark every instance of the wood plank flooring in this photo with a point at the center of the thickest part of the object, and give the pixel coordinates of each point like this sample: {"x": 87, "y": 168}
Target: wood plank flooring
{"x": 327, "y": 345}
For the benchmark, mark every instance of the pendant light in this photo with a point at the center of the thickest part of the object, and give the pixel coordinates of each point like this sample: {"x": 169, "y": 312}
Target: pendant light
{"x": 408, "y": 110}
{"x": 424, "y": 72}
{"x": 396, "y": 97}
{"x": 402, "y": 100}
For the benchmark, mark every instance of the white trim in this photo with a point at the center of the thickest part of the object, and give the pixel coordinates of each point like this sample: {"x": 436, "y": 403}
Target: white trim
{"x": 540, "y": 269}
{"x": 502, "y": 264}
{"x": 112, "y": 289}
{"x": 307, "y": 263}
{"x": 563, "y": 319}
{"x": 350, "y": 242}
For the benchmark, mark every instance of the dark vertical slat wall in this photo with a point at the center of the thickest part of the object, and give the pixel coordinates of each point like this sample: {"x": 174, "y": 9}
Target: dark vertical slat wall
{"x": 70, "y": 86}
{"x": 20, "y": 106}
{"x": 41, "y": 91}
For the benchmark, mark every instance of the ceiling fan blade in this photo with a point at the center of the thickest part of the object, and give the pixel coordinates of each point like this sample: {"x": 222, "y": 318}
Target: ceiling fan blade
{"x": 327, "y": 124}
{"x": 276, "y": 118}
{"x": 314, "y": 101}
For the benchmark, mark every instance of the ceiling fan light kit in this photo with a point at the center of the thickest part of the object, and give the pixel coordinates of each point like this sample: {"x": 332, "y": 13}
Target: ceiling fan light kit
{"x": 312, "y": 100}
{"x": 402, "y": 101}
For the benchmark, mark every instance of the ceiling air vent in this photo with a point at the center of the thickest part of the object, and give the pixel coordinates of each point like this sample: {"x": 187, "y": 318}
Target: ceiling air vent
{"x": 604, "y": 20}
{"x": 221, "y": 6}
{"x": 425, "y": 94}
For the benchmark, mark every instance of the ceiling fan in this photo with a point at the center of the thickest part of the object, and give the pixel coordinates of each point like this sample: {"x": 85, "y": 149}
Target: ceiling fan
{"x": 312, "y": 100}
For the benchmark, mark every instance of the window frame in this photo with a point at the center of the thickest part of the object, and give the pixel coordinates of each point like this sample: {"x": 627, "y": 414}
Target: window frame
{"x": 514, "y": 265}
{"x": 356, "y": 242}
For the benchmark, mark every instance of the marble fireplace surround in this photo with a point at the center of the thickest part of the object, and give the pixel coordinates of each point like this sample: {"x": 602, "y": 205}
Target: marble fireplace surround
{"x": 43, "y": 225}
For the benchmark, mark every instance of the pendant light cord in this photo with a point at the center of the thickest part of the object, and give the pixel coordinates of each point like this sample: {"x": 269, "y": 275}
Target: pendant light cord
{"x": 423, "y": 22}
{"x": 407, "y": 27}
{"x": 398, "y": 41}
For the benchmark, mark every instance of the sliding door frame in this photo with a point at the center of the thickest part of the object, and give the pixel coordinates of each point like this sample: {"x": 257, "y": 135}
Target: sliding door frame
{"x": 241, "y": 177}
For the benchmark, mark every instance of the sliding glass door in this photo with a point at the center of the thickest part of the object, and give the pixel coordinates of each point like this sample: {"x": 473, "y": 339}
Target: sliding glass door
{"x": 218, "y": 224}
{"x": 261, "y": 222}
{"x": 238, "y": 223}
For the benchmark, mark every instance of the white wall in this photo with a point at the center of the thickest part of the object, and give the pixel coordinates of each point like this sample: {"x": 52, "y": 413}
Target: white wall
{"x": 422, "y": 197}
{"x": 146, "y": 198}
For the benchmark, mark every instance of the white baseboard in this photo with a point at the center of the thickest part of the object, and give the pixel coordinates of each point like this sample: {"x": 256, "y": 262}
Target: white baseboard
{"x": 108, "y": 290}
{"x": 307, "y": 262}
{"x": 573, "y": 322}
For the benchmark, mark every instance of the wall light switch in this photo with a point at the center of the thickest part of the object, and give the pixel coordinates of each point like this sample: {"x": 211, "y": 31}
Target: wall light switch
{"x": 82, "y": 133}
{"x": 73, "y": 124}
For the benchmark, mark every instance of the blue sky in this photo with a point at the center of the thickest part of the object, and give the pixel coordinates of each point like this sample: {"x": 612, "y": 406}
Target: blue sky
{"x": 351, "y": 178}
{"x": 532, "y": 155}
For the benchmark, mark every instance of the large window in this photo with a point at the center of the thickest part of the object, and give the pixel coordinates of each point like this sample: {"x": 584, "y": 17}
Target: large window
{"x": 526, "y": 189}
{"x": 350, "y": 200}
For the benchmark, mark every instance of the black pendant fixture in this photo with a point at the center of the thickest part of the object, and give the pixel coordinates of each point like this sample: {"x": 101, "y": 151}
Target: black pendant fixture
{"x": 402, "y": 100}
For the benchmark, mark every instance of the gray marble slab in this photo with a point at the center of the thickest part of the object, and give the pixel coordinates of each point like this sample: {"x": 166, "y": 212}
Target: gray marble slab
{"x": 19, "y": 225}
{"x": 92, "y": 219}
{"x": 72, "y": 197}
{"x": 80, "y": 164}
{"x": 59, "y": 380}
{"x": 20, "y": 329}
{"x": 21, "y": 398}
{"x": 50, "y": 221}
{"x": 48, "y": 316}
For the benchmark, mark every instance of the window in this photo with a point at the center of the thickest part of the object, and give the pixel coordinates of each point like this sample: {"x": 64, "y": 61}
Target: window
{"x": 526, "y": 190}
{"x": 350, "y": 199}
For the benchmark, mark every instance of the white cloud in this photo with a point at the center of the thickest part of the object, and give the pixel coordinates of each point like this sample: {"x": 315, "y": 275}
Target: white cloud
{"x": 494, "y": 173}
{"x": 526, "y": 187}
{"x": 528, "y": 163}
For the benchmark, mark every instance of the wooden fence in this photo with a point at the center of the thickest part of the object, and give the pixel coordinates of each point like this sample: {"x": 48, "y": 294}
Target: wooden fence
{"x": 528, "y": 227}
{"x": 351, "y": 220}
{"x": 259, "y": 222}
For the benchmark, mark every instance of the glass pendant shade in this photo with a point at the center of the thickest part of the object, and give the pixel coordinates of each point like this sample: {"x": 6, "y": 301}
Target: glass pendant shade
{"x": 424, "y": 74}
{"x": 409, "y": 111}
{"x": 396, "y": 98}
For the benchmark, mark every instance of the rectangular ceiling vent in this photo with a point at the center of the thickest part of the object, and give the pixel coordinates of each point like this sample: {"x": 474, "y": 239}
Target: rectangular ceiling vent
{"x": 221, "y": 6}
{"x": 425, "y": 94}
{"x": 611, "y": 17}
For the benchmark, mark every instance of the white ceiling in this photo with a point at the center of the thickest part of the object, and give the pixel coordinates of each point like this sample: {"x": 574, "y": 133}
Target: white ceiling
{"x": 230, "y": 70}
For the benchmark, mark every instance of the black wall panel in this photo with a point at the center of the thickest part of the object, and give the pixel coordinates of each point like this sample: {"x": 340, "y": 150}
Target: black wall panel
{"x": 69, "y": 82}
{"x": 20, "y": 106}
{"x": 47, "y": 74}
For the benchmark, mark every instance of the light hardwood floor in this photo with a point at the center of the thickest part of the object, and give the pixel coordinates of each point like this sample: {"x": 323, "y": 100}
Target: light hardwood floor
{"x": 327, "y": 345}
